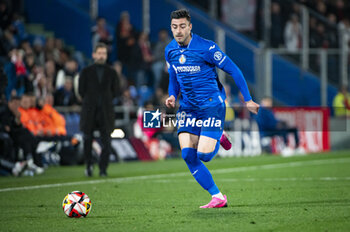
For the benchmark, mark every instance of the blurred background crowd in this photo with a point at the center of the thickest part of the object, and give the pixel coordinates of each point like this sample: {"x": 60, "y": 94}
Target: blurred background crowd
{"x": 46, "y": 66}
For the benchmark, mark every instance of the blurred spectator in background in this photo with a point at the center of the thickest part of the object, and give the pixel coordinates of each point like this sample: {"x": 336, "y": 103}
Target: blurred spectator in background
{"x": 17, "y": 59}
{"x": 338, "y": 8}
{"x": 29, "y": 115}
{"x": 164, "y": 80}
{"x": 100, "y": 34}
{"x": 159, "y": 59}
{"x": 18, "y": 27}
{"x": 127, "y": 99}
{"x": 38, "y": 48}
{"x": 344, "y": 26}
{"x": 65, "y": 95}
{"x": 8, "y": 164}
{"x": 70, "y": 71}
{"x": 26, "y": 47}
{"x": 21, "y": 137}
{"x": 318, "y": 39}
{"x": 54, "y": 121}
{"x": 140, "y": 61}
{"x": 6, "y": 143}
{"x": 296, "y": 9}
{"x": 125, "y": 36}
{"x": 321, "y": 7}
{"x": 276, "y": 25}
{"x": 293, "y": 34}
{"x": 5, "y": 15}
{"x": 41, "y": 86}
{"x": 312, "y": 30}
{"x": 29, "y": 61}
{"x": 147, "y": 58}
{"x": 341, "y": 102}
{"x": 41, "y": 119}
{"x": 123, "y": 81}
{"x": 332, "y": 32}
{"x": 16, "y": 72}
{"x": 50, "y": 72}
{"x": 59, "y": 45}
{"x": 158, "y": 98}
{"x": 270, "y": 126}
{"x": 6, "y": 44}
{"x": 50, "y": 52}
{"x": 64, "y": 56}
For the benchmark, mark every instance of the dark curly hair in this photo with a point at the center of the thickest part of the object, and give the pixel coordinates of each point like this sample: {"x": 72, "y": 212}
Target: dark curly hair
{"x": 182, "y": 13}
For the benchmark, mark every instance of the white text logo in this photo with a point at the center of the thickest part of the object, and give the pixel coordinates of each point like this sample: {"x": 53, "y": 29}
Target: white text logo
{"x": 191, "y": 69}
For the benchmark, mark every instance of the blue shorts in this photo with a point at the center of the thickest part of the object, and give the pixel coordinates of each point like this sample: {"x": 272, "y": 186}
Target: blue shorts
{"x": 207, "y": 122}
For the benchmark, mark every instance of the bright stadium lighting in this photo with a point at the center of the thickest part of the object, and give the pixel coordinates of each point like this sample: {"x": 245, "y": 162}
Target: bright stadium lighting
{"x": 118, "y": 133}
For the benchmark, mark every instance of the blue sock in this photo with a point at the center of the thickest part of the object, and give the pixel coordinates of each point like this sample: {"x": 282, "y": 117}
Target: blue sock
{"x": 199, "y": 171}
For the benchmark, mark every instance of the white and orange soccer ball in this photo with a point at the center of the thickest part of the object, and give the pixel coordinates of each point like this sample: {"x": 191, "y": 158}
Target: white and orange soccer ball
{"x": 76, "y": 204}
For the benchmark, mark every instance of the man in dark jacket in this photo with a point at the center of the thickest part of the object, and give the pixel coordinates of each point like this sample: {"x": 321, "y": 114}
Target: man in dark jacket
{"x": 98, "y": 86}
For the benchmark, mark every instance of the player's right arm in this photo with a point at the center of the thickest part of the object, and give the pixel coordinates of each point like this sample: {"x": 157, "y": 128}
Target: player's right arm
{"x": 173, "y": 88}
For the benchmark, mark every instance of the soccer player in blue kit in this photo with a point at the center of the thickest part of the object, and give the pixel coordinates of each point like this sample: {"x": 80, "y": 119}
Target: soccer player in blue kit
{"x": 192, "y": 63}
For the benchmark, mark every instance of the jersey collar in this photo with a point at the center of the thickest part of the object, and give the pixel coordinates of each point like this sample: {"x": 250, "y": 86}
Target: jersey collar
{"x": 188, "y": 45}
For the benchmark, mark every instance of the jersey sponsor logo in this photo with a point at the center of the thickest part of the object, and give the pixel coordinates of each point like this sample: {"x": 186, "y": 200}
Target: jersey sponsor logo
{"x": 190, "y": 69}
{"x": 211, "y": 47}
{"x": 182, "y": 59}
{"x": 217, "y": 56}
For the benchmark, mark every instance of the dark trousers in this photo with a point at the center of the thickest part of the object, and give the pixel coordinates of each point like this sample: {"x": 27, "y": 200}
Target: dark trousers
{"x": 106, "y": 144}
{"x": 24, "y": 139}
{"x": 6, "y": 147}
{"x": 284, "y": 133}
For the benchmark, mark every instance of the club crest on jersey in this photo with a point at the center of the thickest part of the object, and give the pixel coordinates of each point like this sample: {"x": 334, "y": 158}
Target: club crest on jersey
{"x": 182, "y": 59}
{"x": 217, "y": 55}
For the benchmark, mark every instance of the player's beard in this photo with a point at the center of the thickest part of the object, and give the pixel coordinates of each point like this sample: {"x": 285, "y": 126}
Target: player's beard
{"x": 185, "y": 40}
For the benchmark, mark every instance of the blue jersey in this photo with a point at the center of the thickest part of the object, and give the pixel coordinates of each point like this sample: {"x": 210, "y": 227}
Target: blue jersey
{"x": 192, "y": 71}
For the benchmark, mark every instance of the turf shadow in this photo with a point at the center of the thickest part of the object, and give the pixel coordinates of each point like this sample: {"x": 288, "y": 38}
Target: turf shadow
{"x": 212, "y": 213}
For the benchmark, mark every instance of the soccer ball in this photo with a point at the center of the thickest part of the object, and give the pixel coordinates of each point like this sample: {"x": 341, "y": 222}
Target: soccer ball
{"x": 76, "y": 204}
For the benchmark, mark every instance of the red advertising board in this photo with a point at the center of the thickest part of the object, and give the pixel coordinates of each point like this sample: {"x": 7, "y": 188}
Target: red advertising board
{"x": 313, "y": 126}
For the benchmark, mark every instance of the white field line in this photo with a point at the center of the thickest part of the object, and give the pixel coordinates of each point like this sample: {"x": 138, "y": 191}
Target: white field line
{"x": 291, "y": 179}
{"x": 178, "y": 174}
{"x": 284, "y": 179}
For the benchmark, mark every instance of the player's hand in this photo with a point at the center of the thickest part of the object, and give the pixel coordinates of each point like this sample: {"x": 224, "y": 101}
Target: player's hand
{"x": 252, "y": 106}
{"x": 170, "y": 102}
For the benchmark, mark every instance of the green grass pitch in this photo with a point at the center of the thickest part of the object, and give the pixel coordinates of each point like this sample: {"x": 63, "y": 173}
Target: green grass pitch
{"x": 265, "y": 193}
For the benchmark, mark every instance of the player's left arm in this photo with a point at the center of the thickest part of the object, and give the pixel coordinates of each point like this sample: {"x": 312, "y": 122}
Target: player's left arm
{"x": 222, "y": 61}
